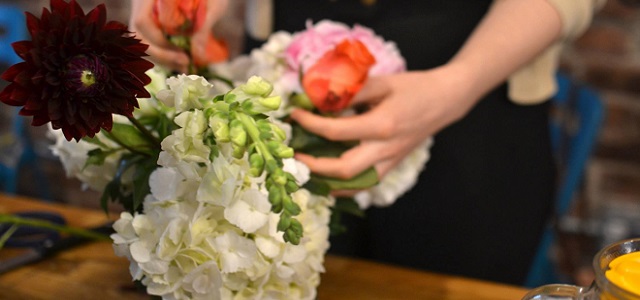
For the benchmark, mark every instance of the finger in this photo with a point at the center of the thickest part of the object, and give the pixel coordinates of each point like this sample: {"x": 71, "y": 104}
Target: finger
{"x": 175, "y": 60}
{"x": 344, "y": 193}
{"x": 373, "y": 91}
{"x": 351, "y": 163}
{"x": 370, "y": 125}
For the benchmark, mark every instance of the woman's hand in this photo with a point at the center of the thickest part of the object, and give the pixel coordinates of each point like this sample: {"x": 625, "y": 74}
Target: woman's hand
{"x": 403, "y": 110}
{"x": 160, "y": 49}
{"x": 407, "y": 108}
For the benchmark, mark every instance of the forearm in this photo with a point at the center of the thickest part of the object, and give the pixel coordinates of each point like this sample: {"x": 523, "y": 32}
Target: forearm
{"x": 511, "y": 34}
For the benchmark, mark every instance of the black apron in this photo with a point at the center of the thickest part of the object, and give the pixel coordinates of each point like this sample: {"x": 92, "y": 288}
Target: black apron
{"x": 479, "y": 207}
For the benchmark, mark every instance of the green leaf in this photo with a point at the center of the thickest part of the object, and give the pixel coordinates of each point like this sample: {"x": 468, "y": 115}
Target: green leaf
{"x": 141, "y": 181}
{"x": 343, "y": 206}
{"x": 97, "y": 157}
{"x": 317, "y": 186}
{"x": 303, "y": 140}
{"x": 130, "y": 137}
{"x": 95, "y": 141}
{"x": 348, "y": 205}
{"x": 364, "y": 180}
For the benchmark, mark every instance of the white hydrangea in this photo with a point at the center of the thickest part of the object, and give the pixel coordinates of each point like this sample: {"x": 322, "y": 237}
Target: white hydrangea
{"x": 74, "y": 155}
{"x": 185, "y": 92}
{"x": 207, "y": 232}
{"x": 398, "y": 181}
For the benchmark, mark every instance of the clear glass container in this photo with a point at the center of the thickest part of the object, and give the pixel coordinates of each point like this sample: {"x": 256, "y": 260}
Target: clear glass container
{"x": 602, "y": 288}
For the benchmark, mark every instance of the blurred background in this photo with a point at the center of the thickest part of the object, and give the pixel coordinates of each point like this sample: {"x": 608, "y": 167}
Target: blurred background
{"x": 605, "y": 207}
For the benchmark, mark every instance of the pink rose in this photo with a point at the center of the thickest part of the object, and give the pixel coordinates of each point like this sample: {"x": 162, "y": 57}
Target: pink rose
{"x": 309, "y": 45}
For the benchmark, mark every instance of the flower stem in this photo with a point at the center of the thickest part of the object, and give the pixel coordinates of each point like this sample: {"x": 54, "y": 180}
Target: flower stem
{"x": 18, "y": 221}
{"x": 123, "y": 145}
{"x": 147, "y": 134}
{"x": 7, "y": 235}
{"x": 254, "y": 133}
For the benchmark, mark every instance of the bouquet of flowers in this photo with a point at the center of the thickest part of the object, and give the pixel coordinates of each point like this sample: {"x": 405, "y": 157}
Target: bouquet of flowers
{"x": 321, "y": 69}
{"x": 215, "y": 205}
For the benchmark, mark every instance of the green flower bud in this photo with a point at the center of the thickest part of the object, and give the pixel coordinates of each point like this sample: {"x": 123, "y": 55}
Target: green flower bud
{"x": 220, "y": 128}
{"x": 291, "y": 187}
{"x": 257, "y": 164}
{"x": 238, "y": 151}
{"x": 296, "y": 227}
{"x": 271, "y": 165}
{"x": 285, "y": 152}
{"x": 290, "y": 206}
{"x": 257, "y": 86}
{"x": 238, "y": 134}
{"x": 291, "y": 237}
{"x": 277, "y": 208}
{"x": 263, "y": 125}
{"x": 230, "y": 98}
{"x": 271, "y": 103}
{"x": 302, "y": 101}
{"x": 285, "y": 221}
{"x": 278, "y": 132}
{"x": 275, "y": 196}
{"x": 279, "y": 177}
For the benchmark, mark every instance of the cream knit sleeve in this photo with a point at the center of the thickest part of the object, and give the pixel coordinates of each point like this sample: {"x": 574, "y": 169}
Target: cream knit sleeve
{"x": 535, "y": 82}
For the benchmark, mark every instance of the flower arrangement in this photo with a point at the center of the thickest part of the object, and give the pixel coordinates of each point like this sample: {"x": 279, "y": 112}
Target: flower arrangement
{"x": 215, "y": 205}
{"x": 321, "y": 69}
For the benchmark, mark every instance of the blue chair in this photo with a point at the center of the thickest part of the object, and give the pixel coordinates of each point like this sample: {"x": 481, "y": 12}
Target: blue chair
{"x": 12, "y": 22}
{"x": 12, "y": 29}
{"x": 577, "y": 117}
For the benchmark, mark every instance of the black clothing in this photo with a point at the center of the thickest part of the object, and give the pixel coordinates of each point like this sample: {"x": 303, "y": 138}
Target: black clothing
{"x": 482, "y": 201}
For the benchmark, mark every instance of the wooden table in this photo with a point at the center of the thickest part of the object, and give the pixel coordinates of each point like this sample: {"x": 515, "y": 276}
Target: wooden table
{"x": 92, "y": 271}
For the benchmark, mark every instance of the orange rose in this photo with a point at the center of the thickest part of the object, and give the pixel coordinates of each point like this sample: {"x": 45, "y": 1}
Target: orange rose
{"x": 210, "y": 51}
{"x": 184, "y": 17}
{"x": 337, "y": 76}
{"x": 177, "y": 17}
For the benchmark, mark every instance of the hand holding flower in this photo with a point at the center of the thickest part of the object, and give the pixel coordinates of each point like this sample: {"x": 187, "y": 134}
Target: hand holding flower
{"x": 180, "y": 32}
{"x": 404, "y": 110}
{"x": 160, "y": 49}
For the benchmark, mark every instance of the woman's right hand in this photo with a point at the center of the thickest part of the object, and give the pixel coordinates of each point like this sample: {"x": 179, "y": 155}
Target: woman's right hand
{"x": 161, "y": 51}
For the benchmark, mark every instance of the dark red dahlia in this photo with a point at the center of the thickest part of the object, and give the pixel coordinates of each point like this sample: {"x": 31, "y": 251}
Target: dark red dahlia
{"x": 78, "y": 70}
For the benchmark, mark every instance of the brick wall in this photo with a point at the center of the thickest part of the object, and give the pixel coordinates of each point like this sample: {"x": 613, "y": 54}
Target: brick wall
{"x": 607, "y": 57}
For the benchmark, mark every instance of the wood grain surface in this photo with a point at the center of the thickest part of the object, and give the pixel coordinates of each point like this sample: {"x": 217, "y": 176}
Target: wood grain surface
{"x": 92, "y": 271}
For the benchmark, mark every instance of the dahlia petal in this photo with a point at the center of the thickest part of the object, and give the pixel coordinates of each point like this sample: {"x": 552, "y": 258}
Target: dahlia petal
{"x": 52, "y": 79}
{"x": 5, "y": 95}
{"x": 115, "y": 25}
{"x": 45, "y": 16}
{"x": 58, "y": 6}
{"x": 37, "y": 78}
{"x": 13, "y": 71}
{"x": 19, "y": 94}
{"x": 97, "y": 15}
{"x": 34, "y": 104}
{"x": 107, "y": 124}
{"x": 33, "y": 23}
{"x": 75, "y": 9}
{"x": 22, "y": 48}
{"x": 54, "y": 109}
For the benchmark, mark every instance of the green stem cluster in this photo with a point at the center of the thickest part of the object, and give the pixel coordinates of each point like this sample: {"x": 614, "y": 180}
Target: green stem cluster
{"x": 266, "y": 153}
